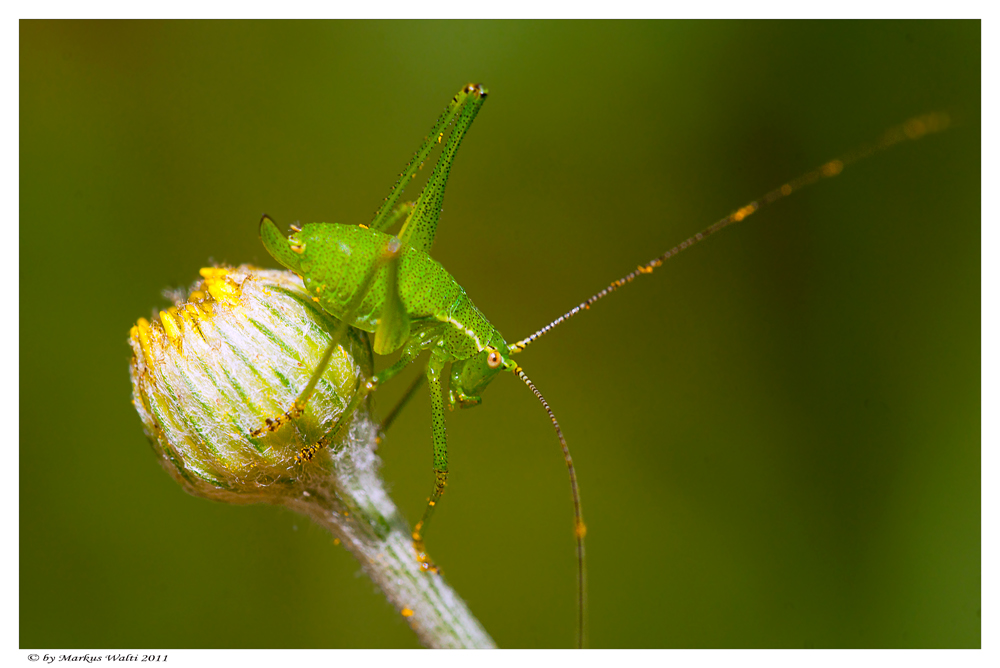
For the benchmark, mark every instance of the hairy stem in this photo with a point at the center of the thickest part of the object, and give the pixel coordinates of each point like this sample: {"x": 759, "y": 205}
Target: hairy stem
{"x": 349, "y": 498}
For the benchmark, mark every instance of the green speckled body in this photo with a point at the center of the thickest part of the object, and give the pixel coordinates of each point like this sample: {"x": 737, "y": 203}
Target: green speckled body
{"x": 390, "y": 287}
{"x": 333, "y": 260}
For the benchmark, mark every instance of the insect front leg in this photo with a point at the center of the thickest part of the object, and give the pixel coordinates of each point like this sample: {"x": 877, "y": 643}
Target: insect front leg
{"x": 409, "y": 354}
{"x": 435, "y": 367}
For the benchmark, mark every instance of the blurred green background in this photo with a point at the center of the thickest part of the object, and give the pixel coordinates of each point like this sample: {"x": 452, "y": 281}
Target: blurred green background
{"x": 777, "y": 434}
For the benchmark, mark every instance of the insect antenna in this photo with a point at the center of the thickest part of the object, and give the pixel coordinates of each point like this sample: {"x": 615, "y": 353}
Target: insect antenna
{"x": 915, "y": 128}
{"x": 579, "y": 528}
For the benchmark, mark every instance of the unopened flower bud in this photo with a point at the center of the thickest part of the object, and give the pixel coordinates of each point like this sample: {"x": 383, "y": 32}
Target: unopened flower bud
{"x": 212, "y": 369}
{"x": 236, "y": 351}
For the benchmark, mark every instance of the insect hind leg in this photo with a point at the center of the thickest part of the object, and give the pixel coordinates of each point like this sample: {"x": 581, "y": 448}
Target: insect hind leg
{"x": 421, "y": 226}
{"x": 387, "y": 210}
{"x": 401, "y": 212}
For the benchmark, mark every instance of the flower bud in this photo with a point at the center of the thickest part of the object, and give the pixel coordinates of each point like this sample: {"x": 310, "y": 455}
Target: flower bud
{"x": 235, "y": 351}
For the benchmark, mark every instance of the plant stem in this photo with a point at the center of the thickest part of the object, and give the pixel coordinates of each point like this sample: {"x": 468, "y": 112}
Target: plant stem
{"x": 349, "y": 498}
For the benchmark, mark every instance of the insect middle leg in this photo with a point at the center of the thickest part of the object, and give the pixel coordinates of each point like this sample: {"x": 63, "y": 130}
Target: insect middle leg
{"x": 390, "y": 254}
{"x": 435, "y": 367}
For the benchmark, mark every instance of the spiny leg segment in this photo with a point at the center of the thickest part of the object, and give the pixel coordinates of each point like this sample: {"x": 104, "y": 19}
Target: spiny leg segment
{"x": 913, "y": 129}
{"x": 433, "y": 371}
{"x": 420, "y": 228}
{"x": 381, "y": 220}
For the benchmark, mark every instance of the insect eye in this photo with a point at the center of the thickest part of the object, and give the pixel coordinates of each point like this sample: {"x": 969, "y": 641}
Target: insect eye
{"x": 493, "y": 360}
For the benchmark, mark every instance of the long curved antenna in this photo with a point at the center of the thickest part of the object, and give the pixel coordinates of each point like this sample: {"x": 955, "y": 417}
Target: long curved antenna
{"x": 915, "y": 128}
{"x": 579, "y": 528}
